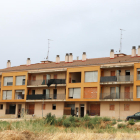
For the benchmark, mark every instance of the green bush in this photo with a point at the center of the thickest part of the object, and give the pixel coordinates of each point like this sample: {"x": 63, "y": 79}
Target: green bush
{"x": 89, "y": 124}
{"x": 50, "y": 119}
{"x": 64, "y": 117}
{"x": 96, "y": 120}
{"x": 106, "y": 119}
{"x": 66, "y": 123}
{"x": 71, "y": 119}
{"x": 119, "y": 120}
{"x": 59, "y": 122}
{"x": 121, "y": 125}
{"x": 131, "y": 122}
{"x": 86, "y": 118}
{"x": 113, "y": 122}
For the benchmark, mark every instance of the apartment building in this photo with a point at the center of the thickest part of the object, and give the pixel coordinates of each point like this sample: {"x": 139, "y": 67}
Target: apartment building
{"x": 108, "y": 86}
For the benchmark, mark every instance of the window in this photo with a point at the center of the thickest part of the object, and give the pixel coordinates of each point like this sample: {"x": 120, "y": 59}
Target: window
{"x": 19, "y": 94}
{"x": 126, "y": 107}
{"x": 7, "y": 95}
{"x": 33, "y": 92}
{"x": 112, "y": 107}
{"x": 91, "y": 76}
{"x": 34, "y": 78}
{"x": 138, "y": 74}
{"x": 75, "y": 93}
{"x": 43, "y": 106}
{"x": 138, "y": 91}
{"x": 20, "y": 80}
{"x": 8, "y": 81}
{"x": 1, "y": 106}
{"x": 54, "y": 107}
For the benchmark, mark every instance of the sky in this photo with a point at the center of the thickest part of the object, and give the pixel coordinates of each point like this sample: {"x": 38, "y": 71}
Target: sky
{"x": 75, "y": 26}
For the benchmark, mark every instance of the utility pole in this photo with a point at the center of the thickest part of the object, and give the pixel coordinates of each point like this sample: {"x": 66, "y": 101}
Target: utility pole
{"x": 42, "y": 107}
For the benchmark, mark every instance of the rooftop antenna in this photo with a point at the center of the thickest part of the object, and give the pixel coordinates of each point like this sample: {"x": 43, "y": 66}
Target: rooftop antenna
{"x": 121, "y": 41}
{"x": 47, "y": 58}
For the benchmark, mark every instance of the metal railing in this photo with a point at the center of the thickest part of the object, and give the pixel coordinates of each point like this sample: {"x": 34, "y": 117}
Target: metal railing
{"x": 10, "y": 111}
{"x": 126, "y": 78}
{"x": 93, "y": 112}
{"x": 124, "y": 95}
{"x": 46, "y": 97}
{"x": 29, "y": 111}
{"x": 45, "y": 82}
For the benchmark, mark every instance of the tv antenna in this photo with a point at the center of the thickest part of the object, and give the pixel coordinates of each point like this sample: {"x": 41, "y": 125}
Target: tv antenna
{"x": 47, "y": 58}
{"x": 121, "y": 41}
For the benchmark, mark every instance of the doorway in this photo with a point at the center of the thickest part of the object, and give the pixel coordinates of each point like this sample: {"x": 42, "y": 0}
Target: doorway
{"x": 82, "y": 110}
{"x": 127, "y": 93}
{"x": 54, "y": 93}
{"x": 19, "y": 111}
{"x": 127, "y": 75}
{"x": 12, "y": 109}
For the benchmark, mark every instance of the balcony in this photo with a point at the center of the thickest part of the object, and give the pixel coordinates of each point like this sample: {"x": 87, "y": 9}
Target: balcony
{"x": 46, "y": 97}
{"x": 123, "y": 96}
{"x": 127, "y": 79}
{"x": 46, "y": 83}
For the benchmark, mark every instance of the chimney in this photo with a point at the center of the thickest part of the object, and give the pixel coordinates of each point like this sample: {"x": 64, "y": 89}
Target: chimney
{"x": 84, "y": 56}
{"x": 8, "y": 64}
{"x": 57, "y": 59}
{"x": 139, "y": 50}
{"x": 77, "y": 57}
{"x": 67, "y": 58}
{"x": 28, "y": 61}
{"x": 70, "y": 58}
{"x": 133, "y": 51}
{"x": 112, "y": 54}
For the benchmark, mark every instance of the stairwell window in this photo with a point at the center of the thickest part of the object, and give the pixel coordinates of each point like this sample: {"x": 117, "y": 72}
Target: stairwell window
{"x": 91, "y": 76}
{"x": 138, "y": 91}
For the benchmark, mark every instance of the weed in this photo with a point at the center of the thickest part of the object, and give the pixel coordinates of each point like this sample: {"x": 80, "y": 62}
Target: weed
{"x": 50, "y": 119}
{"x": 66, "y": 123}
{"x": 113, "y": 122}
{"x": 119, "y": 120}
{"x": 131, "y": 122}
{"x": 71, "y": 119}
{"x": 86, "y": 118}
{"x": 106, "y": 119}
{"x": 121, "y": 125}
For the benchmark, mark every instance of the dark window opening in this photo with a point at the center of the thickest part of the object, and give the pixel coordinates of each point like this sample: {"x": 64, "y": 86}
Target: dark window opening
{"x": 75, "y": 77}
{"x": 1, "y": 106}
{"x": 54, "y": 107}
{"x": 33, "y": 92}
{"x": 44, "y": 91}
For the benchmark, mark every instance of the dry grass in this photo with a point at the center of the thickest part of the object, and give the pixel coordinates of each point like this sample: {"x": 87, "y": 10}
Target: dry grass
{"x": 27, "y": 135}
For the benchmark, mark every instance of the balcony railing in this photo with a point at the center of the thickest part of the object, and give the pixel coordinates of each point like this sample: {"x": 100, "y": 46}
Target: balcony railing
{"x": 46, "y": 97}
{"x": 93, "y": 112}
{"x": 125, "y": 95}
{"x": 46, "y": 82}
{"x": 10, "y": 111}
{"x": 126, "y": 78}
{"x": 29, "y": 111}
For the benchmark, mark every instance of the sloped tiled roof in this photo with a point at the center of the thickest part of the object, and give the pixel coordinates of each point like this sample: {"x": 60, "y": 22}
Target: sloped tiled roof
{"x": 76, "y": 63}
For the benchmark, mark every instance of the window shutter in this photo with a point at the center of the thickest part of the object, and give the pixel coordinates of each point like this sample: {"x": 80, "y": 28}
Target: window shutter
{"x": 91, "y": 76}
{"x": 71, "y": 92}
{"x": 77, "y": 93}
{"x": 4, "y": 95}
{"x": 9, "y": 95}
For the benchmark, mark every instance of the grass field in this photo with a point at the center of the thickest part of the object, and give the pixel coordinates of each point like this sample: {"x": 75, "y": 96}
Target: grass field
{"x": 69, "y": 129}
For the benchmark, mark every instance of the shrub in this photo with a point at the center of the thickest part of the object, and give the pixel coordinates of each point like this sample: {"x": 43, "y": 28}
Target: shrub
{"x": 121, "y": 125}
{"x": 66, "y": 123}
{"x": 119, "y": 120}
{"x": 63, "y": 117}
{"x": 113, "y": 122}
{"x": 50, "y": 119}
{"x": 106, "y": 119}
{"x": 59, "y": 122}
{"x": 96, "y": 120}
{"x": 89, "y": 124}
{"x": 86, "y": 118}
{"x": 71, "y": 119}
{"x": 131, "y": 122}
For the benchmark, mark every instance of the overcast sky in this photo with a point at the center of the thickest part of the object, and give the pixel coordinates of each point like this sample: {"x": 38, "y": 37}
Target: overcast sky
{"x": 75, "y": 26}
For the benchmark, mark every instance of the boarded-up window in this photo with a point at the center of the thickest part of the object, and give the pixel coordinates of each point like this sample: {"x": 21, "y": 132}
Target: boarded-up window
{"x": 34, "y": 78}
{"x": 138, "y": 91}
{"x": 75, "y": 93}
{"x": 126, "y": 107}
{"x": 91, "y": 76}
{"x": 112, "y": 107}
{"x": 90, "y": 92}
{"x": 7, "y": 95}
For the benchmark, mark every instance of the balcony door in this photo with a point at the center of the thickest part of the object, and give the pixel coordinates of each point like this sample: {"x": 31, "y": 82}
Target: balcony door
{"x": 127, "y": 75}
{"x": 112, "y": 92}
{"x": 54, "y": 93}
{"x": 127, "y": 93}
{"x": 112, "y": 73}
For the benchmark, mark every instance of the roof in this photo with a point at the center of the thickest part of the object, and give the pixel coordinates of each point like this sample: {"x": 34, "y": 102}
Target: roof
{"x": 75, "y": 63}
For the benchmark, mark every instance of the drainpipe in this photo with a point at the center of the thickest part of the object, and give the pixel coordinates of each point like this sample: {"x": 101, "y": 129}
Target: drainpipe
{"x": 119, "y": 110}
